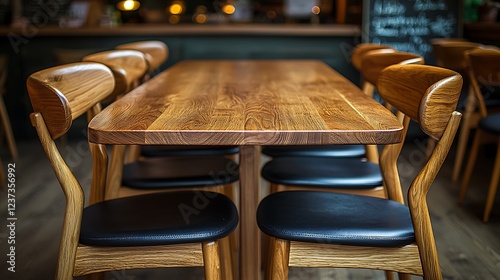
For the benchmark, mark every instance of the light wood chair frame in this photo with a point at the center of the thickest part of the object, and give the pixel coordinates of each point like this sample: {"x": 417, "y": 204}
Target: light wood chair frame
{"x": 437, "y": 99}
{"x": 57, "y": 102}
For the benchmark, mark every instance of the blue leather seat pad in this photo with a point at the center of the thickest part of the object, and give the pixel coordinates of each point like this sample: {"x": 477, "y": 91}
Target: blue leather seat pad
{"x": 491, "y": 123}
{"x": 158, "y": 173}
{"x": 315, "y": 151}
{"x": 323, "y": 172}
{"x": 159, "y": 219}
{"x": 334, "y": 218}
{"x": 169, "y": 151}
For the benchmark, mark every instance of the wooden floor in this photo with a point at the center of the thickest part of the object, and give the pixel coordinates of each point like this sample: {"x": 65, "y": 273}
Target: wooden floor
{"x": 468, "y": 248}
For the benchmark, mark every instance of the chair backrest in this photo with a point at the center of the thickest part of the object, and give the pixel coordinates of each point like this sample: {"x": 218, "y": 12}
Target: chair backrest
{"x": 424, "y": 93}
{"x": 375, "y": 61}
{"x": 437, "y": 42}
{"x": 63, "y": 93}
{"x": 484, "y": 74}
{"x": 128, "y": 67}
{"x": 429, "y": 96}
{"x": 361, "y": 49}
{"x": 156, "y": 52}
{"x": 59, "y": 95}
{"x": 451, "y": 54}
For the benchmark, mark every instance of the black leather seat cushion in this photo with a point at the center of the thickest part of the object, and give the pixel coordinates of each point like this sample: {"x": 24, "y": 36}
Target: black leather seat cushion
{"x": 169, "y": 151}
{"x": 323, "y": 172}
{"x": 491, "y": 123}
{"x": 491, "y": 95}
{"x": 334, "y": 218}
{"x": 158, "y": 173}
{"x": 159, "y": 219}
{"x": 315, "y": 151}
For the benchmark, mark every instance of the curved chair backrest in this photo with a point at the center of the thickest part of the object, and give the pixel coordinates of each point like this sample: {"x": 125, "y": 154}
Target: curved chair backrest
{"x": 451, "y": 54}
{"x": 428, "y": 95}
{"x": 436, "y": 44}
{"x": 375, "y": 61}
{"x": 156, "y": 52}
{"x": 63, "y": 93}
{"x": 361, "y": 49}
{"x": 484, "y": 71}
{"x": 128, "y": 67}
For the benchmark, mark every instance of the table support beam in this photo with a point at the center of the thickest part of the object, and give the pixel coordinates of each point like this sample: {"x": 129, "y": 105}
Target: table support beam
{"x": 249, "y": 199}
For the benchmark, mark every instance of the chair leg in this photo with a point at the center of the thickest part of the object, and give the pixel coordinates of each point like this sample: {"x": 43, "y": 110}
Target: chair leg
{"x": 490, "y": 199}
{"x": 431, "y": 143}
{"x": 233, "y": 243}
{"x": 133, "y": 153}
{"x": 226, "y": 257}
{"x": 372, "y": 153}
{"x": 464, "y": 135}
{"x": 8, "y": 130}
{"x": 211, "y": 260}
{"x": 402, "y": 276}
{"x": 470, "y": 167}
{"x": 389, "y": 275}
{"x": 273, "y": 188}
{"x": 277, "y": 268}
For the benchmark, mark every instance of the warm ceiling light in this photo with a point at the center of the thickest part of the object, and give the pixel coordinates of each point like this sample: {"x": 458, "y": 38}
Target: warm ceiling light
{"x": 128, "y": 5}
{"x": 175, "y": 9}
{"x": 316, "y": 10}
{"x": 200, "y": 18}
{"x": 228, "y": 9}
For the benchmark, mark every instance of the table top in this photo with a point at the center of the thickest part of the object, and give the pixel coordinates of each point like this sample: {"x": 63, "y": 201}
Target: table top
{"x": 246, "y": 102}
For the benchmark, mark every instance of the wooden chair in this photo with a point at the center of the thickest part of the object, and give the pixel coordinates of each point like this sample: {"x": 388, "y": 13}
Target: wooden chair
{"x": 97, "y": 238}
{"x": 340, "y": 174}
{"x": 147, "y": 175}
{"x": 155, "y": 52}
{"x": 350, "y": 175}
{"x": 484, "y": 75}
{"x": 437, "y": 51}
{"x": 129, "y": 68}
{"x": 357, "y": 60}
{"x": 451, "y": 55}
{"x": 326, "y": 229}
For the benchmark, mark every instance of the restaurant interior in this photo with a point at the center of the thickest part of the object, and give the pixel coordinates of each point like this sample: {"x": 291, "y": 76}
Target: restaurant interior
{"x": 250, "y": 139}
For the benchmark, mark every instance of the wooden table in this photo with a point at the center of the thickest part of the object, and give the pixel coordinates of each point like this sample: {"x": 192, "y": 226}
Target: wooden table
{"x": 246, "y": 103}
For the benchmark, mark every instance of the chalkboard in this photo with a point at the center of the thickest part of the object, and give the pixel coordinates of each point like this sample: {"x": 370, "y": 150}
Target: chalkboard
{"x": 409, "y": 25}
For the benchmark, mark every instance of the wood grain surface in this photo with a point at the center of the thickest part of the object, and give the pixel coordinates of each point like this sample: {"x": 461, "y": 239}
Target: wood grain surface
{"x": 242, "y": 102}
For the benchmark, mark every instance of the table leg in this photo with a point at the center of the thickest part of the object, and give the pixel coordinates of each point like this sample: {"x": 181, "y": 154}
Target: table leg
{"x": 249, "y": 200}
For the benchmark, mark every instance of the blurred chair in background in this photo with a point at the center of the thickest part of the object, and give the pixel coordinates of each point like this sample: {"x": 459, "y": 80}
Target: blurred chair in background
{"x": 485, "y": 79}
{"x": 6, "y": 125}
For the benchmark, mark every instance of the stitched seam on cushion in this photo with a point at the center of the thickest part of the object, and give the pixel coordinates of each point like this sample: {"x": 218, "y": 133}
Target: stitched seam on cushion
{"x": 340, "y": 236}
{"x": 157, "y": 238}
